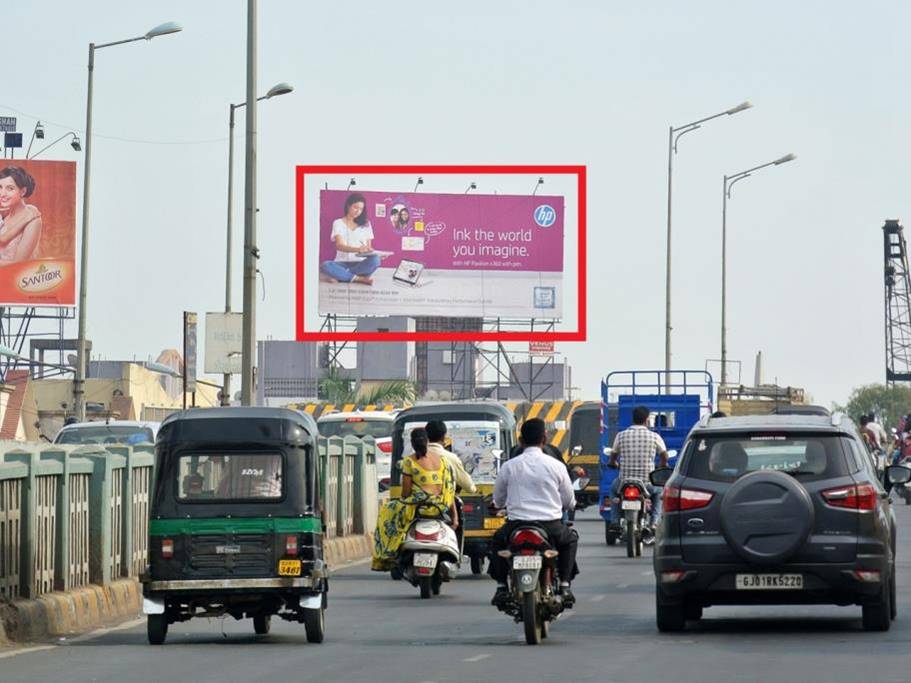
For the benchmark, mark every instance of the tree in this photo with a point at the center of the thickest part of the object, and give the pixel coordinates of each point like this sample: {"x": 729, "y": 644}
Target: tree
{"x": 888, "y": 403}
{"x": 341, "y": 390}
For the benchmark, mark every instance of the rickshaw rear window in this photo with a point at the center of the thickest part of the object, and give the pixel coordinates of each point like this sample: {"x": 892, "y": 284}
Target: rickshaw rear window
{"x": 230, "y": 477}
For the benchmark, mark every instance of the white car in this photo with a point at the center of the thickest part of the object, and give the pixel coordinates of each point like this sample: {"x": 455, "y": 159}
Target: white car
{"x": 377, "y": 424}
{"x": 101, "y": 433}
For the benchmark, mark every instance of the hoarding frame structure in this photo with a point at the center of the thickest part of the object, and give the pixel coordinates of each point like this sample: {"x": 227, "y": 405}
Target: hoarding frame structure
{"x": 579, "y": 334}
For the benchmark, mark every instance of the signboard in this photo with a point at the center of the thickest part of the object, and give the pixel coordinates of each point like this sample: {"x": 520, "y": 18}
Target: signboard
{"x": 474, "y": 441}
{"x": 37, "y": 233}
{"x": 456, "y": 255}
{"x": 224, "y": 337}
{"x": 189, "y": 352}
{"x": 7, "y": 124}
{"x": 539, "y": 348}
{"x": 12, "y": 140}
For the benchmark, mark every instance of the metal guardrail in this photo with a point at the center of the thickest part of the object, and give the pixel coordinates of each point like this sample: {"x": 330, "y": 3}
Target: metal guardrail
{"x": 64, "y": 519}
{"x": 74, "y": 515}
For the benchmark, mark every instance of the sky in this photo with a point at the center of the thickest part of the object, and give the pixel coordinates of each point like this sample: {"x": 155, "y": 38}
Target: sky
{"x": 532, "y": 82}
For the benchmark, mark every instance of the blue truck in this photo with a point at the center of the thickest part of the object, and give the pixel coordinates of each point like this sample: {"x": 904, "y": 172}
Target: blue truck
{"x": 676, "y": 400}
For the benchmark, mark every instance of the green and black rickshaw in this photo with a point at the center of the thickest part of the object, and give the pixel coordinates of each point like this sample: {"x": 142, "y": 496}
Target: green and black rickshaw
{"x": 235, "y": 521}
{"x": 480, "y": 433}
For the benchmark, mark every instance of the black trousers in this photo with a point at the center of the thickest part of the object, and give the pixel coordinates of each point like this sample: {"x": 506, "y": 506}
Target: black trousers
{"x": 564, "y": 539}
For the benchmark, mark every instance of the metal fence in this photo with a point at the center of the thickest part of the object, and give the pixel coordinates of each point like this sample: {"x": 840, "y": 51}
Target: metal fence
{"x": 75, "y": 515}
{"x": 64, "y": 519}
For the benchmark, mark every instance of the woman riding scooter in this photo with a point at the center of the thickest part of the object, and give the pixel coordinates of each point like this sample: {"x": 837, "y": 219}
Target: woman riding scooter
{"x": 426, "y": 479}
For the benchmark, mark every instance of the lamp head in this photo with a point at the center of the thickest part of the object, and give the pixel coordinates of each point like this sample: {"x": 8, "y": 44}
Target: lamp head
{"x": 785, "y": 159}
{"x": 163, "y": 30}
{"x": 279, "y": 89}
{"x": 39, "y": 131}
{"x": 740, "y": 107}
{"x": 75, "y": 144}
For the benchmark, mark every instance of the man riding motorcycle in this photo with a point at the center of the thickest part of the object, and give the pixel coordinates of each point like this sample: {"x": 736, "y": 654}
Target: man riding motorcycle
{"x": 638, "y": 446}
{"x": 534, "y": 487}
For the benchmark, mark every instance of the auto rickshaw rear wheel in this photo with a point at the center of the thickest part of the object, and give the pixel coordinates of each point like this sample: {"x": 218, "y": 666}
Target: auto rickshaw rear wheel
{"x": 315, "y": 624}
{"x": 157, "y": 628}
{"x": 262, "y": 623}
{"x": 477, "y": 564}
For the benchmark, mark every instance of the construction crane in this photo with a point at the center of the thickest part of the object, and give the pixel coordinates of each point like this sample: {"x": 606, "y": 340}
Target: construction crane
{"x": 898, "y": 304}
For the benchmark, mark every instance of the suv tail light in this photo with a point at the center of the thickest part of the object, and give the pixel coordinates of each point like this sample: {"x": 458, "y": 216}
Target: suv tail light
{"x": 385, "y": 446}
{"x": 677, "y": 499}
{"x": 167, "y": 548}
{"x": 860, "y": 497}
{"x": 632, "y": 493}
{"x": 291, "y": 545}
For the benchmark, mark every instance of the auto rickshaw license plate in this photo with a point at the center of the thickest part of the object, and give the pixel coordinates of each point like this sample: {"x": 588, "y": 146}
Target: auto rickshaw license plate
{"x": 289, "y": 567}
{"x": 494, "y": 522}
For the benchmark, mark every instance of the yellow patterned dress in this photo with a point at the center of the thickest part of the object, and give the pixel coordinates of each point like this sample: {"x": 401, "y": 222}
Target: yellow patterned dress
{"x": 397, "y": 514}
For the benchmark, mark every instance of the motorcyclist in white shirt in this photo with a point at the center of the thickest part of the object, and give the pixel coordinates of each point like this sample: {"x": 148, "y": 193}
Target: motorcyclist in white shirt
{"x": 534, "y": 487}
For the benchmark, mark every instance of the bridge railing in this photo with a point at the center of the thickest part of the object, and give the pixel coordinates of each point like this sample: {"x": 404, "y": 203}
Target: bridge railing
{"x": 75, "y": 515}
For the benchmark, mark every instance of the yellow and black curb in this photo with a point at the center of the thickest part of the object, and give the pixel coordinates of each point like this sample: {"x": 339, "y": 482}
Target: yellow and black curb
{"x": 72, "y": 612}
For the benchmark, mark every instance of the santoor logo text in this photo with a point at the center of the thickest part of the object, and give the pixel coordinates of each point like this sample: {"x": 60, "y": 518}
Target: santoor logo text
{"x": 42, "y": 278}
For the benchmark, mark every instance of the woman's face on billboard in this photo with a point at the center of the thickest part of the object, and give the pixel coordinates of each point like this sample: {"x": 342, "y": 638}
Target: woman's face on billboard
{"x": 355, "y": 210}
{"x": 10, "y": 194}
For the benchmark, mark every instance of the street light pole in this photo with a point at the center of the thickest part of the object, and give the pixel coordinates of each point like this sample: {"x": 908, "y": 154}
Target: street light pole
{"x": 79, "y": 378}
{"x": 727, "y": 185}
{"x": 674, "y": 134}
{"x": 274, "y": 91}
{"x": 251, "y": 253}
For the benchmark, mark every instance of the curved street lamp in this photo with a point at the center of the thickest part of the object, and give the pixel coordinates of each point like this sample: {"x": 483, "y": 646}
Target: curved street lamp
{"x": 276, "y": 90}
{"x": 79, "y": 379}
{"x": 674, "y": 135}
{"x": 729, "y": 182}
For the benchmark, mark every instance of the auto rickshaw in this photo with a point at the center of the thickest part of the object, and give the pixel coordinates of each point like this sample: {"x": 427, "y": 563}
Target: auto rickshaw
{"x": 235, "y": 521}
{"x": 480, "y": 433}
{"x": 585, "y": 449}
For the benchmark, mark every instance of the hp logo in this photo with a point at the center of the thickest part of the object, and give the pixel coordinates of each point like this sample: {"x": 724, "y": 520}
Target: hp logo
{"x": 545, "y": 216}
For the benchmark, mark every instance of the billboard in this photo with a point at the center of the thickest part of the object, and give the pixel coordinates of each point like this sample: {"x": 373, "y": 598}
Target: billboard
{"x": 455, "y": 255}
{"x": 224, "y": 342}
{"x": 37, "y": 233}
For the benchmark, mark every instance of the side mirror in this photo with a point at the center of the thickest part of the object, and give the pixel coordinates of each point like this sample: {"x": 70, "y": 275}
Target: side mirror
{"x": 607, "y": 450}
{"x": 671, "y": 454}
{"x": 497, "y": 454}
{"x": 898, "y": 474}
{"x": 580, "y": 483}
{"x": 660, "y": 476}
{"x": 577, "y": 450}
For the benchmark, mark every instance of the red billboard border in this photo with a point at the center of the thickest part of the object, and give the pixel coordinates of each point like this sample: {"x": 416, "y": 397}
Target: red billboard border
{"x": 579, "y": 334}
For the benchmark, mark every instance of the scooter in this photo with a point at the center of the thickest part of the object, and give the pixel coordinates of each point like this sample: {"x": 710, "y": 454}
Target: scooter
{"x": 430, "y": 553}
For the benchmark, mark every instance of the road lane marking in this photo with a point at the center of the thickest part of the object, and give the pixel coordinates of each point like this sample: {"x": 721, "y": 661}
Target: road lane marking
{"x": 622, "y": 585}
{"x": 476, "y": 658}
{"x": 648, "y": 573}
{"x": 26, "y": 650}
{"x": 598, "y": 598}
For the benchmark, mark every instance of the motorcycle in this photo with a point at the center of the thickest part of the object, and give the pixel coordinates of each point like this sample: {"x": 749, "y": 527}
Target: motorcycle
{"x": 635, "y": 507}
{"x": 430, "y": 554}
{"x": 534, "y": 584}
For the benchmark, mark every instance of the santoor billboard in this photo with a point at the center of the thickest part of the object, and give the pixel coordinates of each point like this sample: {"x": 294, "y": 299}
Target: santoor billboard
{"x": 37, "y": 233}
{"x": 383, "y": 253}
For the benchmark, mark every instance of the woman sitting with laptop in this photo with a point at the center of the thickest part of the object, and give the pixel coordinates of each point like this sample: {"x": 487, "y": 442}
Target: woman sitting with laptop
{"x": 353, "y": 238}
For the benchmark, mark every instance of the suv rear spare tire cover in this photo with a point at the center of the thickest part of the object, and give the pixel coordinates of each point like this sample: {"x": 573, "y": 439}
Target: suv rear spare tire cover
{"x": 766, "y": 517}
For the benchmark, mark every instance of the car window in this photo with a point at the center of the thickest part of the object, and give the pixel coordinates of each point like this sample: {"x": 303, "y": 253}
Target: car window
{"x": 106, "y": 434}
{"x": 378, "y": 429}
{"x": 229, "y": 477}
{"x": 727, "y": 457}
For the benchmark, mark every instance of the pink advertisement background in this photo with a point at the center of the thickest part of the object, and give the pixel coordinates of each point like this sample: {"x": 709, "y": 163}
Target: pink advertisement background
{"x": 452, "y": 222}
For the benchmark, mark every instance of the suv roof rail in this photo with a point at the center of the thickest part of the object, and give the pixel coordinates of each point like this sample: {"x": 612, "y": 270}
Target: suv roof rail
{"x": 704, "y": 420}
